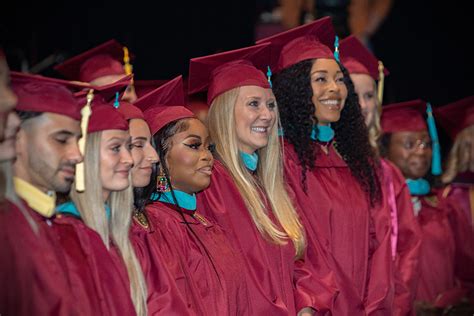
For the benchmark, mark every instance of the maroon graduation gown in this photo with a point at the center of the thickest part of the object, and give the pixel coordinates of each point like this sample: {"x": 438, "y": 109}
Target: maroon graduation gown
{"x": 461, "y": 190}
{"x": 406, "y": 237}
{"x": 164, "y": 297}
{"x": 277, "y": 284}
{"x": 33, "y": 277}
{"x": 99, "y": 276}
{"x": 447, "y": 251}
{"x": 336, "y": 210}
{"x": 207, "y": 273}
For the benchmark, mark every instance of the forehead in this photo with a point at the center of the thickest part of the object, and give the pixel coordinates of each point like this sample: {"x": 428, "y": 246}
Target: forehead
{"x": 52, "y": 121}
{"x": 323, "y": 64}
{"x": 114, "y": 134}
{"x": 195, "y": 127}
{"x": 138, "y": 127}
{"x": 362, "y": 80}
{"x": 255, "y": 91}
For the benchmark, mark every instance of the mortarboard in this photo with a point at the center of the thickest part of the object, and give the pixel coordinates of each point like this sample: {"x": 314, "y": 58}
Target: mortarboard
{"x": 358, "y": 59}
{"x": 109, "y": 58}
{"x": 309, "y": 41}
{"x": 456, "y": 116}
{"x": 143, "y": 87}
{"x": 225, "y": 71}
{"x": 41, "y": 94}
{"x": 164, "y": 105}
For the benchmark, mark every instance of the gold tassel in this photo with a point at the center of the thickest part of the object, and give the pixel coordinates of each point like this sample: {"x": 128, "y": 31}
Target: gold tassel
{"x": 380, "y": 85}
{"x": 86, "y": 113}
{"x": 126, "y": 62}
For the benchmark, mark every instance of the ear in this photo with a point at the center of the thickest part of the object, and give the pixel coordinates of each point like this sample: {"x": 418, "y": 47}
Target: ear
{"x": 21, "y": 142}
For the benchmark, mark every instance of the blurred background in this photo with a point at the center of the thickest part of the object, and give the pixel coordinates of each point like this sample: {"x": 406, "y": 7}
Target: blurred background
{"x": 424, "y": 45}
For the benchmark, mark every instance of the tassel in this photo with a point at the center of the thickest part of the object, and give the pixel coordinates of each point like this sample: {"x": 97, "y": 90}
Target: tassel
{"x": 127, "y": 67}
{"x": 86, "y": 113}
{"x": 269, "y": 76}
{"x": 380, "y": 85}
{"x": 116, "y": 102}
{"x": 436, "y": 159}
{"x": 336, "y": 48}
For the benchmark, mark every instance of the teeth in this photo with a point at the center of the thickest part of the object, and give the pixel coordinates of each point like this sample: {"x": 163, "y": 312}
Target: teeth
{"x": 330, "y": 102}
{"x": 259, "y": 129}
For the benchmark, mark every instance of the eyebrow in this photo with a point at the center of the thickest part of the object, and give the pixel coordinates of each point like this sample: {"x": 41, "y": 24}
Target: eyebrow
{"x": 193, "y": 136}
{"x": 324, "y": 71}
{"x": 139, "y": 138}
{"x": 116, "y": 139}
{"x": 66, "y": 133}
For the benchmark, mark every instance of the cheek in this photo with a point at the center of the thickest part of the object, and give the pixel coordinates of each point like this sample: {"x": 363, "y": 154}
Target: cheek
{"x": 137, "y": 156}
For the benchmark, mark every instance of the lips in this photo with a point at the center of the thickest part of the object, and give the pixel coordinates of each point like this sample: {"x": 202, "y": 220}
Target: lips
{"x": 206, "y": 170}
{"x": 331, "y": 104}
{"x": 259, "y": 129}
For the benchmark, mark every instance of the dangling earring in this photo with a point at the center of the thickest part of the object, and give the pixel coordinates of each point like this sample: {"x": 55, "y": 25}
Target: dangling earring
{"x": 162, "y": 184}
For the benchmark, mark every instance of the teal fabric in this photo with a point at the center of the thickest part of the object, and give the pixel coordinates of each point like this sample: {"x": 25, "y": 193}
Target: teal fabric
{"x": 323, "y": 133}
{"x": 185, "y": 200}
{"x": 418, "y": 186}
{"x": 250, "y": 160}
{"x": 70, "y": 209}
{"x": 436, "y": 158}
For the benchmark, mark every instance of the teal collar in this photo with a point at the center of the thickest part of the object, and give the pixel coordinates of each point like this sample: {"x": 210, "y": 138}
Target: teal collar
{"x": 185, "y": 200}
{"x": 71, "y": 209}
{"x": 322, "y": 133}
{"x": 250, "y": 160}
{"x": 418, "y": 187}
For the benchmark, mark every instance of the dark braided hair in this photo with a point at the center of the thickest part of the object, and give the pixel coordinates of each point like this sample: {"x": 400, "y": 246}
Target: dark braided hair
{"x": 292, "y": 88}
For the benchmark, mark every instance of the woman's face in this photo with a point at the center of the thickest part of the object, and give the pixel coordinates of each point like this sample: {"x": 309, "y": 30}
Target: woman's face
{"x": 255, "y": 115}
{"x": 9, "y": 121}
{"x": 329, "y": 90}
{"x": 365, "y": 88}
{"x": 189, "y": 158}
{"x": 115, "y": 160}
{"x": 411, "y": 152}
{"x": 143, "y": 153}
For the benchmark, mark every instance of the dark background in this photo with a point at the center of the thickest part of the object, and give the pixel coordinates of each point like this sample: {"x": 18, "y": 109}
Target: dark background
{"x": 424, "y": 45}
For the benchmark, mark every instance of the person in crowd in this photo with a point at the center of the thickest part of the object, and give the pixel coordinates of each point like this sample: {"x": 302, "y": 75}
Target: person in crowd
{"x": 457, "y": 119}
{"x": 247, "y": 196}
{"x": 332, "y": 168}
{"x": 364, "y": 71}
{"x": 101, "y": 65}
{"x": 197, "y": 253}
{"x": 447, "y": 245}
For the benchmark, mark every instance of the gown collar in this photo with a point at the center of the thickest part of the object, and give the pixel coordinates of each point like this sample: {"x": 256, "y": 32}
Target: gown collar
{"x": 42, "y": 203}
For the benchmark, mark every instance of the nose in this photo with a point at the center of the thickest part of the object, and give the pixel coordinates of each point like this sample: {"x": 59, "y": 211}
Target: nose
{"x": 126, "y": 158}
{"x": 150, "y": 154}
{"x": 207, "y": 156}
{"x": 74, "y": 154}
{"x": 265, "y": 113}
{"x": 334, "y": 86}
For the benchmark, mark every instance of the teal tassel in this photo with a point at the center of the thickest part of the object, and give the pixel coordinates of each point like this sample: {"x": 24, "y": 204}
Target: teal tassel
{"x": 269, "y": 76}
{"x": 336, "y": 48}
{"x": 436, "y": 159}
{"x": 116, "y": 102}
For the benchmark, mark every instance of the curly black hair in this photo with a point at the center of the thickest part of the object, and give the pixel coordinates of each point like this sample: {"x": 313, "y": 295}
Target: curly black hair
{"x": 293, "y": 91}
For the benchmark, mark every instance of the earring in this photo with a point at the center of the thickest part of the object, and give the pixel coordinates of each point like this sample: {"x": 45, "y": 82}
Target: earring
{"x": 162, "y": 184}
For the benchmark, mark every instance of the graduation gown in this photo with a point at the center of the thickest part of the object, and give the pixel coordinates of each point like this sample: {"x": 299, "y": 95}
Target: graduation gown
{"x": 461, "y": 190}
{"x": 33, "y": 275}
{"x": 405, "y": 239}
{"x": 336, "y": 210}
{"x": 99, "y": 276}
{"x": 447, "y": 251}
{"x": 164, "y": 296}
{"x": 277, "y": 284}
{"x": 203, "y": 266}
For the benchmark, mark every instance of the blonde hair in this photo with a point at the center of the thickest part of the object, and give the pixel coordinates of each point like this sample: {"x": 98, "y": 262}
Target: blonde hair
{"x": 460, "y": 159}
{"x": 91, "y": 207}
{"x": 7, "y": 192}
{"x": 375, "y": 130}
{"x": 221, "y": 122}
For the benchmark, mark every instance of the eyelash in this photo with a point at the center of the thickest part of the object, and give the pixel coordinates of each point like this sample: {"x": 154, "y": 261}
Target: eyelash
{"x": 253, "y": 103}
{"x": 61, "y": 141}
{"x": 194, "y": 146}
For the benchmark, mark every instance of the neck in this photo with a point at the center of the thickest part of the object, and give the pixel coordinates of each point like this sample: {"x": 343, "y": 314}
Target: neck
{"x": 21, "y": 173}
{"x": 105, "y": 195}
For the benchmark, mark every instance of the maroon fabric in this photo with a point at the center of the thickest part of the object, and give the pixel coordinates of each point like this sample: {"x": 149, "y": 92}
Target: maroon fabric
{"x": 33, "y": 275}
{"x": 309, "y": 41}
{"x": 447, "y": 252}
{"x": 460, "y": 191}
{"x": 40, "y": 94}
{"x": 456, "y": 116}
{"x": 106, "y": 117}
{"x": 404, "y": 116}
{"x": 225, "y": 71}
{"x": 99, "y": 276}
{"x": 164, "y": 296}
{"x": 157, "y": 118}
{"x": 130, "y": 111}
{"x": 358, "y": 59}
{"x": 357, "y": 236}
{"x": 170, "y": 93}
{"x": 103, "y": 60}
{"x": 408, "y": 242}
{"x": 211, "y": 285}
{"x": 277, "y": 284}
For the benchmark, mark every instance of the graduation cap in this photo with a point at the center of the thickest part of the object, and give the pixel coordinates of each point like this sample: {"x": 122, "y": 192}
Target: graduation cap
{"x": 164, "y": 105}
{"x": 456, "y": 116}
{"x": 309, "y": 41}
{"x": 143, "y": 87}
{"x": 109, "y": 58}
{"x": 410, "y": 117}
{"x": 41, "y": 94}
{"x": 225, "y": 71}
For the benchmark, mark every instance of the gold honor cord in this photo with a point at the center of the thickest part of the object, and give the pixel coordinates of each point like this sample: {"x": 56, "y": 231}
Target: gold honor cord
{"x": 380, "y": 85}
{"x": 86, "y": 113}
{"x": 127, "y": 67}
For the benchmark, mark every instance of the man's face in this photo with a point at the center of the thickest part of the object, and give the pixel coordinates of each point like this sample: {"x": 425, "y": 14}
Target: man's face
{"x": 48, "y": 151}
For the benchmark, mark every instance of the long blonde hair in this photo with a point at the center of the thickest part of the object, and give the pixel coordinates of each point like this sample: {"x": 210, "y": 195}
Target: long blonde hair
{"x": 221, "y": 122}
{"x": 375, "y": 130}
{"x": 91, "y": 207}
{"x": 460, "y": 159}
